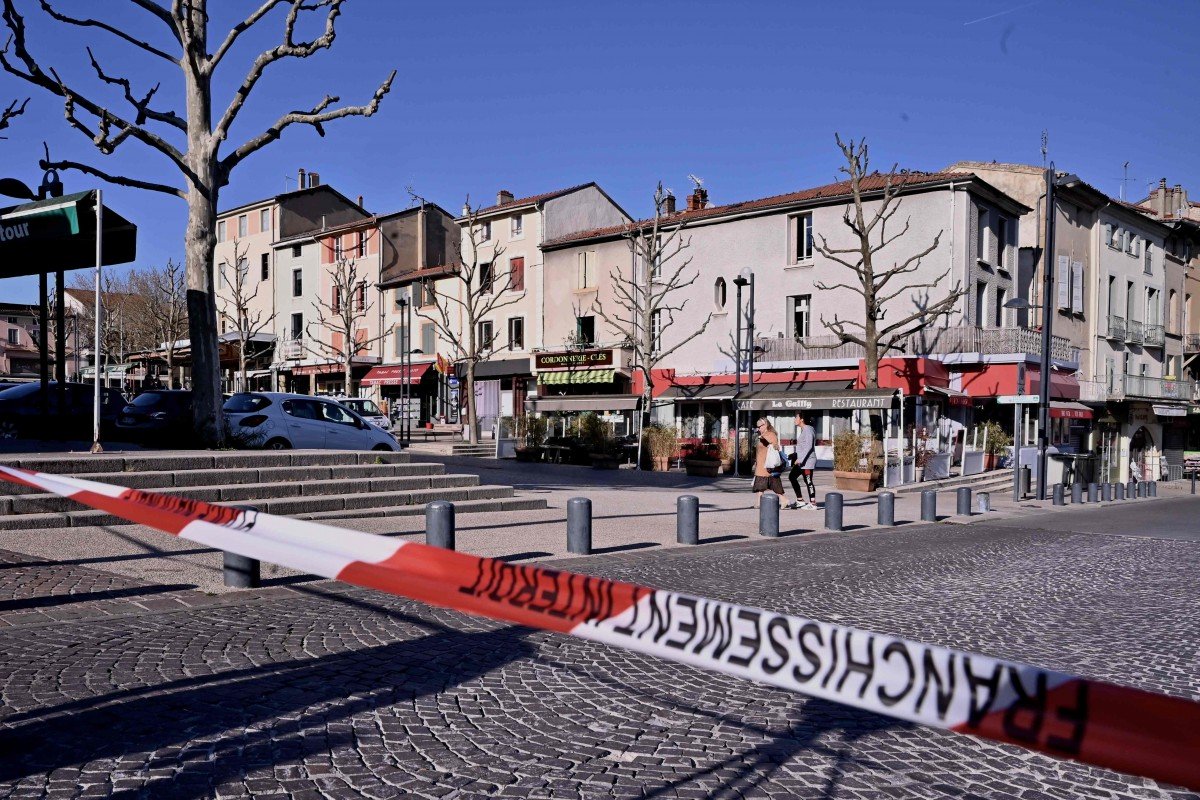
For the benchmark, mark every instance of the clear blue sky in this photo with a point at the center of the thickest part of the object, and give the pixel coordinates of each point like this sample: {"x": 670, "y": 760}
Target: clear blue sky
{"x": 539, "y": 95}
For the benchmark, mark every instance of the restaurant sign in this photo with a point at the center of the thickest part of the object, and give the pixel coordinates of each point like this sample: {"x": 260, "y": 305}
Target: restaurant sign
{"x": 842, "y": 402}
{"x": 568, "y": 360}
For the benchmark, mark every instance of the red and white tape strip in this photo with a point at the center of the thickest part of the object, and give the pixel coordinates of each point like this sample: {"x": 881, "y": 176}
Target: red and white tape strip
{"x": 1098, "y": 723}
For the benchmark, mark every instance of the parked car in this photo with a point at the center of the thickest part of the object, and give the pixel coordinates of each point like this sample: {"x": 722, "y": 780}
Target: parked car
{"x": 367, "y": 410}
{"x": 24, "y": 415}
{"x": 280, "y": 421}
{"x": 161, "y": 416}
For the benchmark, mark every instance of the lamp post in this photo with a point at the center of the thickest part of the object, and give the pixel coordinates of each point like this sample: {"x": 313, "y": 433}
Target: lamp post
{"x": 406, "y": 369}
{"x": 745, "y": 278}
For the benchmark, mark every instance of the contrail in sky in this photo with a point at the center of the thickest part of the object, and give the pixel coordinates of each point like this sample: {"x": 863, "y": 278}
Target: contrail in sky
{"x": 1000, "y": 13}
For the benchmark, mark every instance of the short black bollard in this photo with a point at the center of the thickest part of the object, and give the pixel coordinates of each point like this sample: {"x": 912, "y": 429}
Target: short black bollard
{"x": 1153, "y": 487}
{"x": 1193, "y": 481}
{"x": 1131, "y": 489}
{"x": 964, "y": 501}
{"x": 579, "y": 526}
{"x": 1076, "y": 493}
{"x": 1120, "y": 489}
{"x": 1106, "y": 492}
{"x": 929, "y": 505}
{"x": 439, "y": 524}
{"x": 241, "y": 572}
{"x": 687, "y": 523}
{"x": 768, "y": 515}
{"x": 887, "y": 509}
{"x": 1057, "y": 495}
{"x": 833, "y": 511}
{"x": 984, "y": 501}
{"x": 1141, "y": 488}
{"x": 1093, "y": 492}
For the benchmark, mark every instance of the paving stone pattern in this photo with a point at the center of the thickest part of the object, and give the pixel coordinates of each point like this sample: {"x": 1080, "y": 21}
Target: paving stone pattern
{"x": 320, "y": 690}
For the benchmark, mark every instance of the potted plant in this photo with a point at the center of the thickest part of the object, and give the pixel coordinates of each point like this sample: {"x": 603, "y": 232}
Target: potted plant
{"x": 850, "y": 469}
{"x": 727, "y": 453}
{"x": 998, "y": 443}
{"x": 921, "y": 461}
{"x": 531, "y": 435}
{"x": 594, "y": 432}
{"x": 703, "y": 460}
{"x": 662, "y": 444}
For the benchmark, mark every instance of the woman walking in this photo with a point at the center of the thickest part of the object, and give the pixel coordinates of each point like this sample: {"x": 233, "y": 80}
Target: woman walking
{"x": 804, "y": 461}
{"x": 768, "y": 463}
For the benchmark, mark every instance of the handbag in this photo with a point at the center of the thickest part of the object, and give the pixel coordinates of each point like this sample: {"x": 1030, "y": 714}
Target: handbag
{"x": 773, "y": 460}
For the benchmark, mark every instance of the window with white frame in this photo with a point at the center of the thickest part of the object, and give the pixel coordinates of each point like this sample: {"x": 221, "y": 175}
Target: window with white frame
{"x": 297, "y": 250}
{"x": 297, "y": 326}
{"x": 243, "y": 225}
{"x": 804, "y": 237}
{"x": 487, "y": 278}
{"x": 720, "y": 294}
{"x": 656, "y": 329}
{"x": 517, "y": 224}
{"x": 799, "y": 316}
{"x": 265, "y": 266}
{"x": 297, "y": 283}
{"x": 1148, "y": 266}
{"x": 484, "y": 335}
{"x": 485, "y": 231}
{"x": 221, "y": 230}
{"x": 264, "y": 220}
{"x": 1110, "y": 234}
{"x": 362, "y": 243}
{"x": 14, "y": 336}
{"x": 338, "y": 253}
{"x": 981, "y": 234}
{"x": 585, "y": 276}
{"x": 516, "y": 333}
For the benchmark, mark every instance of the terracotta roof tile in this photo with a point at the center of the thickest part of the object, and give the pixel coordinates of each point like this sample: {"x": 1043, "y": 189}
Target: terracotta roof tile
{"x": 873, "y": 182}
{"x": 533, "y": 198}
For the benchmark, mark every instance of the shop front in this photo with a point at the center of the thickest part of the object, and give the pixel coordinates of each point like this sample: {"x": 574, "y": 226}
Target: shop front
{"x": 570, "y": 383}
{"x": 395, "y": 386}
{"x": 501, "y": 387}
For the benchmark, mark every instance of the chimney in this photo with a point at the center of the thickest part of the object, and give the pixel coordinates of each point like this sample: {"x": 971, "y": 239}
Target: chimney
{"x": 698, "y": 199}
{"x": 669, "y": 204}
{"x": 1181, "y": 202}
{"x": 503, "y": 196}
{"x": 314, "y": 179}
{"x": 300, "y": 181}
{"x": 360, "y": 199}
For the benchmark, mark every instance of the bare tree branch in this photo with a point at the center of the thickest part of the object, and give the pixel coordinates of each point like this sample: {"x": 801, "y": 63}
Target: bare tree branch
{"x": 143, "y": 105}
{"x": 239, "y": 29}
{"x": 163, "y": 15}
{"x": 10, "y": 113}
{"x": 116, "y": 180}
{"x": 93, "y": 23}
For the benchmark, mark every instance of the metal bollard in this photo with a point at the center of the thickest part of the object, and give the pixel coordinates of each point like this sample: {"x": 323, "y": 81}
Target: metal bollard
{"x": 1131, "y": 489}
{"x": 833, "y": 511}
{"x": 579, "y": 526}
{"x": 964, "y": 501}
{"x": 984, "y": 501}
{"x": 1106, "y": 492}
{"x": 1076, "y": 493}
{"x": 1141, "y": 488}
{"x": 1120, "y": 489}
{"x": 887, "y": 509}
{"x": 1153, "y": 487}
{"x": 1093, "y": 492}
{"x": 1193, "y": 481}
{"x": 238, "y": 571}
{"x": 439, "y": 524}
{"x": 768, "y": 515}
{"x": 929, "y": 505}
{"x": 1057, "y": 495}
{"x": 687, "y": 522}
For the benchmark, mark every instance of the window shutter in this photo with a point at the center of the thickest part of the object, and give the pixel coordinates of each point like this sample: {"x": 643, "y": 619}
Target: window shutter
{"x": 1064, "y": 282}
{"x": 1077, "y": 287}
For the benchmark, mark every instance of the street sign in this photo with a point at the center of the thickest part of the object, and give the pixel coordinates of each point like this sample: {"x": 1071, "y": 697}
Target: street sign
{"x": 452, "y": 381}
{"x": 1017, "y": 399}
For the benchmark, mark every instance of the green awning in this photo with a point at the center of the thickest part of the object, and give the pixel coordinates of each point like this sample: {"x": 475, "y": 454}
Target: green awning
{"x": 60, "y": 233}
{"x": 577, "y": 376}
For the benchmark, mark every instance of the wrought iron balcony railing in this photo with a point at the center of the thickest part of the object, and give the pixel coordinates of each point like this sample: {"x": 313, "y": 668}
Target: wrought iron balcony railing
{"x": 1116, "y": 328}
{"x": 1133, "y": 332}
{"x": 934, "y": 341}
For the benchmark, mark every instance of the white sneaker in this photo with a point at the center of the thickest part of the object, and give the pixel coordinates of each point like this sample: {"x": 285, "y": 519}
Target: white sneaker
{"x": 809, "y": 506}
{"x": 793, "y": 504}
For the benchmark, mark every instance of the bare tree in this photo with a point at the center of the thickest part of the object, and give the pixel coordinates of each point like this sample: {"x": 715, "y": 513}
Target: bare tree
{"x": 205, "y": 169}
{"x": 237, "y": 306}
{"x": 477, "y": 291}
{"x": 871, "y": 282}
{"x": 343, "y": 316}
{"x": 648, "y": 298}
{"x": 163, "y": 294}
{"x": 11, "y": 112}
{"x": 121, "y": 315}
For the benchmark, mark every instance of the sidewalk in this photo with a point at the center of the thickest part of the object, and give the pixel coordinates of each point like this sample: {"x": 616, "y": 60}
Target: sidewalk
{"x": 630, "y": 511}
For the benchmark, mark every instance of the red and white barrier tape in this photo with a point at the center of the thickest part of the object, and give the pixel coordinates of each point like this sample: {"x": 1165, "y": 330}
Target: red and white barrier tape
{"x": 1125, "y": 729}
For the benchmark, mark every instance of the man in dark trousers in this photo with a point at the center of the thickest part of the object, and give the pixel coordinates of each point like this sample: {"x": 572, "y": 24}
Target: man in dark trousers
{"x": 804, "y": 461}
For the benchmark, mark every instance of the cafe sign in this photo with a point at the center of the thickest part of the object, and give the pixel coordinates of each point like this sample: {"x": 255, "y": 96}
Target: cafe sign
{"x": 573, "y": 359}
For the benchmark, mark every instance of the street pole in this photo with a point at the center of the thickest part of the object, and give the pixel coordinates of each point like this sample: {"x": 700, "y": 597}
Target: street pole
{"x": 737, "y": 366}
{"x": 750, "y": 337}
{"x": 1048, "y": 304}
{"x": 406, "y": 421}
{"x": 1018, "y": 434}
{"x": 96, "y": 448}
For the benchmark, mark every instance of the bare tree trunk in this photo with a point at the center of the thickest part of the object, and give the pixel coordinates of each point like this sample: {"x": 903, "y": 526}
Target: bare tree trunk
{"x": 244, "y": 385}
{"x": 472, "y": 411}
{"x": 871, "y": 352}
{"x": 349, "y": 374}
{"x": 170, "y": 368}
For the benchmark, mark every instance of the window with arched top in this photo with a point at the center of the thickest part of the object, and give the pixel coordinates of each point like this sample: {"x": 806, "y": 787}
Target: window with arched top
{"x": 720, "y": 292}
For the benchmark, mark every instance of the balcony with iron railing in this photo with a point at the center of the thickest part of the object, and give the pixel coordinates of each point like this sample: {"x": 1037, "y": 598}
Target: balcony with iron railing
{"x": 1191, "y": 343}
{"x": 1154, "y": 335}
{"x": 1116, "y": 328}
{"x": 933, "y": 341}
{"x": 1134, "y": 333}
{"x": 293, "y": 349}
{"x": 1101, "y": 391}
{"x": 1158, "y": 388}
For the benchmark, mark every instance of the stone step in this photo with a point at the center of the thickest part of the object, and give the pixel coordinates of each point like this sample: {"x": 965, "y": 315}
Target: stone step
{"x": 220, "y": 477}
{"x": 254, "y": 493}
{"x": 288, "y": 506}
{"x": 75, "y": 464}
{"x": 460, "y": 507}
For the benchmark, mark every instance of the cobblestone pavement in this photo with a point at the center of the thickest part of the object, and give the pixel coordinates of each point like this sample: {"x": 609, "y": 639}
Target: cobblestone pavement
{"x": 320, "y": 690}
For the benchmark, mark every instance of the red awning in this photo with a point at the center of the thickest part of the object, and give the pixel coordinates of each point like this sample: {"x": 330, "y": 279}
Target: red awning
{"x": 395, "y": 376}
{"x": 1070, "y": 410}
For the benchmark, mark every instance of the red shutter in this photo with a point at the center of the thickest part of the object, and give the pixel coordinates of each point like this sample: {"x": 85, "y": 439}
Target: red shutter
{"x": 516, "y": 268}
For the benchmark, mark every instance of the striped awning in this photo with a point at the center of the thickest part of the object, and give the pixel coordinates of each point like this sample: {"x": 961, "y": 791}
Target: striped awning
{"x": 574, "y": 376}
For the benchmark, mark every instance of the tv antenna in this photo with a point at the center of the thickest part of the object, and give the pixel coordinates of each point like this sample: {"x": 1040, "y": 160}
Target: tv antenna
{"x": 1045, "y": 146}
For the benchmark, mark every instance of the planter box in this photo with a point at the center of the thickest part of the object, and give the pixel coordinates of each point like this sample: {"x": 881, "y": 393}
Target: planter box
{"x": 702, "y": 468}
{"x": 660, "y": 464}
{"x": 854, "y": 481}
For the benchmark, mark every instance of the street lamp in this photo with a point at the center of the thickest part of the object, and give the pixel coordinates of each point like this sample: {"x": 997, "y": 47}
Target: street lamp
{"x": 744, "y": 278}
{"x": 406, "y": 367}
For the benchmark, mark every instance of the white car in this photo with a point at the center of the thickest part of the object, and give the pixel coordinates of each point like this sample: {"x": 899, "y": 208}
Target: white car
{"x": 367, "y": 410}
{"x": 280, "y": 421}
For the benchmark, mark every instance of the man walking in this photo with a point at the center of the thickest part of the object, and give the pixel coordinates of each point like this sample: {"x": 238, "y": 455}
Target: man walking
{"x": 804, "y": 461}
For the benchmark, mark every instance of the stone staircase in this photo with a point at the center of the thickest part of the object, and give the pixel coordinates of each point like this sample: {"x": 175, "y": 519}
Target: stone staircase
{"x": 485, "y": 449}
{"x": 312, "y": 484}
